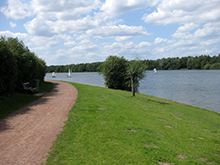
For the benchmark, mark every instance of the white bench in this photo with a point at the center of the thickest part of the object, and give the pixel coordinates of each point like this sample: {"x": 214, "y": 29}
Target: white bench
{"x": 27, "y": 87}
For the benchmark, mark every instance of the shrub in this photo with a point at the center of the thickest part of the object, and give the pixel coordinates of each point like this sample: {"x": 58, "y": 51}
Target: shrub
{"x": 8, "y": 69}
{"x": 122, "y": 74}
{"x": 18, "y": 65}
{"x": 114, "y": 71}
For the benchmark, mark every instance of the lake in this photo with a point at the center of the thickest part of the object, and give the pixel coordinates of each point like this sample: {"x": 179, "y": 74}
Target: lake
{"x": 199, "y": 88}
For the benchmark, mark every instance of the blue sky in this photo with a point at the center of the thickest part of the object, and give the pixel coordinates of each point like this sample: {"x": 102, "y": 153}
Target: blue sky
{"x": 69, "y": 32}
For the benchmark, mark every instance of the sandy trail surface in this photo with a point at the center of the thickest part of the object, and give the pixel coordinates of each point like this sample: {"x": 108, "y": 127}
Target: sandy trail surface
{"x": 27, "y": 135}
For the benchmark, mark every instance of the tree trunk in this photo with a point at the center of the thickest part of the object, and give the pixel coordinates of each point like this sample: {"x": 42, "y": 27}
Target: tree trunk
{"x": 132, "y": 86}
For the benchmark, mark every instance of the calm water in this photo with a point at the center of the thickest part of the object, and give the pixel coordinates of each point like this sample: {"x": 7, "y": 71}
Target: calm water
{"x": 199, "y": 88}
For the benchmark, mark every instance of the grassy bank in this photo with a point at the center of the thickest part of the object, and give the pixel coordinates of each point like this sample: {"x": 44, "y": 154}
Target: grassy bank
{"x": 110, "y": 127}
{"x": 14, "y": 102}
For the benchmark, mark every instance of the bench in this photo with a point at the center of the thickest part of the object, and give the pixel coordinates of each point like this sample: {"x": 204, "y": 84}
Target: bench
{"x": 26, "y": 87}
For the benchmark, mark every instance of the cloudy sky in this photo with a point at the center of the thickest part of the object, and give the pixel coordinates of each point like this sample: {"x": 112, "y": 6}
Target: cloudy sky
{"x": 85, "y": 31}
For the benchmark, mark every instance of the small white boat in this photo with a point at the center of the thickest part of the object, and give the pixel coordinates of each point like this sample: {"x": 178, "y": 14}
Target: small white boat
{"x": 53, "y": 75}
{"x": 155, "y": 70}
{"x": 69, "y": 73}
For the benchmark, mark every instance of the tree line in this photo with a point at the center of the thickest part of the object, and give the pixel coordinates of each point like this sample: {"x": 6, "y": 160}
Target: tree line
{"x": 197, "y": 62}
{"x": 82, "y": 67}
{"x": 18, "y": 65}
{"x": 201, "y": 62}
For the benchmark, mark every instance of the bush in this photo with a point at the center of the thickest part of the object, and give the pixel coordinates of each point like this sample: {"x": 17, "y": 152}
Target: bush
{"x": 18, "y": 65}
{"x": 8, "y": 69}
{"x": 122, "y": 74}
{"x": 114, "y": 70}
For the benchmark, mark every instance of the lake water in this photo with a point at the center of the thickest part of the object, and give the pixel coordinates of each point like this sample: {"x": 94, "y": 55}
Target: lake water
{"x": 199, "y": 88}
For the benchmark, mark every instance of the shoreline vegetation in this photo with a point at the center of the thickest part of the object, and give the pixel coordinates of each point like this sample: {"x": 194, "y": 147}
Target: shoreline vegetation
{"x": 18, "y": 65}
{"x": 108, "y": 126}
{"x": 175, "y": 63}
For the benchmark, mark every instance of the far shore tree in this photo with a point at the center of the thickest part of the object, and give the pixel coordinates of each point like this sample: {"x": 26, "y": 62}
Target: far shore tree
{"x": 174, "y": 63}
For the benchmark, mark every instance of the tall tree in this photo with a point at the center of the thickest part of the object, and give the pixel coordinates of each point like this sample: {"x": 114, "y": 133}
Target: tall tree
{"x": 8, "y": 69}
{"x": 114, "y": 70}
{"x": 18, "y": 65}
{"x": 136, "y": 72}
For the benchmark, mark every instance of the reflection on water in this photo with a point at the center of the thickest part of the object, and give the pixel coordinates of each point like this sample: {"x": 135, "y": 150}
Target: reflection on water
{"x": 194, "y": 87}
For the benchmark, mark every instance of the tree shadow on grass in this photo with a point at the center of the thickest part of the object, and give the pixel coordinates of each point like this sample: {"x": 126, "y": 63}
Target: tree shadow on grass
{"x": 4, "y": 125}
{"x": 158, "y": 102}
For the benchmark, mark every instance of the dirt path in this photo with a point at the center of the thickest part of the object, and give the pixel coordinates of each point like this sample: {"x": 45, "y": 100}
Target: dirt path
{"x": 26, "y": 135}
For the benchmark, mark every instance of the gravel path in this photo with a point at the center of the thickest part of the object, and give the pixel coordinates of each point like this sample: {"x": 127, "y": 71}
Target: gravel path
{"x": 27, "y": 135}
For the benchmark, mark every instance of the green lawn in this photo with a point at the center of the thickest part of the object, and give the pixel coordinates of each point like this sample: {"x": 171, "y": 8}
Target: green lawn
{"x": 108, "y": 126}
{"x": 16, "y": 101}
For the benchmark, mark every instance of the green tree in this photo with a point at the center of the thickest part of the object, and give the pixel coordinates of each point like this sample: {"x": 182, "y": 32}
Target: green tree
{"x": 215, "y": 66}
{"x": 114, "y": 71}
{"x": 183, "y": 62}
{"x": 136, "y": 72}
{"x": 81, "y": 67}
{"x": 190, "y": 63}
{"x": 25, "y": 63}
{"x": 8, "y": 69}
{"x": 207, "y": 66}
{"x": 162, "y": 63}
{"x": 204, "y": 60}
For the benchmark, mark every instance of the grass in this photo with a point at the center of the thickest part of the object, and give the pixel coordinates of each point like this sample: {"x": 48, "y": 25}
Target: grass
{"x": 108, "y": 126}
{"x": 16, "y": 101}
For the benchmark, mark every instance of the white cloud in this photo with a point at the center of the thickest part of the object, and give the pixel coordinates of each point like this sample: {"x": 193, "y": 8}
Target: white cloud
{"x": 12, "y": 24}
{"x": 42, "y": 27}
{"x": 64, "y": 10}
{"x": 113, "y": 46}
{"x": 17, "y": 10}
{"x": 170, "y": 11}
{"x": 184, "y": 31}
{"x": 85, "y": 46}
{"x": 123, "y": 38}
{"x": 55, "y": 17}
{"x": 84, "y": 42}
{"x": 129, "y": 45}
{"x": 82, "y": 36}
{"x": 187, "y": 27}
{"x": 38, "y": 42}
{"x": 129, "y": 49}
{"x": 70, "y": 43}
{"x": 21, "y": 36}
{"x": 210, "y": 30}
{"x": 159, "y": 40}
{"x": 115, "y": 7}
{"x": 144, "y": 44}
{"x": 185, "y": 43}
{"x": 86, "y": 31}
{"x": 121, "y": 32}
{"x": 160, "y": 50}
{"x": 210, "y": 41}
{"x": 60, "y": 57}
{"x": 44, "y": 43}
